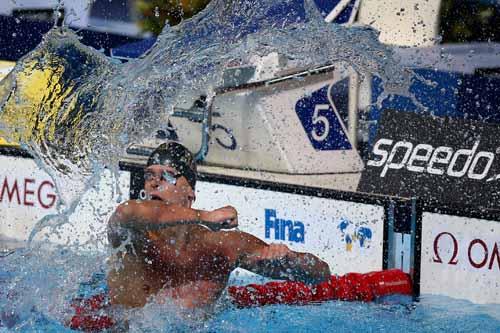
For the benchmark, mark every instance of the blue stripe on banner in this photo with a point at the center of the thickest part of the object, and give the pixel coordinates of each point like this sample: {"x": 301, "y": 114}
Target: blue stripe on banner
{"x": 326, "y": 6}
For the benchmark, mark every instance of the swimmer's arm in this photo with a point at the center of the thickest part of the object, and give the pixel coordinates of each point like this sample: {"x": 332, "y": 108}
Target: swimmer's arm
{"x": 133, "y": 218}
{"x": 150, "y": 215}
{"x": 276, "y": 261}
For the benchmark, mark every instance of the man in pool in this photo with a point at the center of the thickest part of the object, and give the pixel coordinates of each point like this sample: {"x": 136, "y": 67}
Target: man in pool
{"x": 164, "y": 248}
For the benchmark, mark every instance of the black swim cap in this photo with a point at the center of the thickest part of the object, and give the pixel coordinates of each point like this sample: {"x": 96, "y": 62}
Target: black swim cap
{"x": 177, "y": 156}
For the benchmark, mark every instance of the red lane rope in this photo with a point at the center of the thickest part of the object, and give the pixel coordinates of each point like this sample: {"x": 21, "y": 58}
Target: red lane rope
{"x": 90, "y": 314}
{"x": 350, "y": 287}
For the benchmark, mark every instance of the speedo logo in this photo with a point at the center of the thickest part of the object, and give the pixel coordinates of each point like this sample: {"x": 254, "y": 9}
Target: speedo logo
{"x": 424, "y": 158}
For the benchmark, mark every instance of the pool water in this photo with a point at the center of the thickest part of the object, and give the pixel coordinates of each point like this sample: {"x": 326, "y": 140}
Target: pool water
{"x": 35, "y": 297}
{"x": 37, "y": 285}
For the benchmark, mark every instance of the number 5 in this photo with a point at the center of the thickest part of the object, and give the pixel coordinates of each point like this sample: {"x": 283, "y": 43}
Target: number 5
{"x": 316, "y": 118}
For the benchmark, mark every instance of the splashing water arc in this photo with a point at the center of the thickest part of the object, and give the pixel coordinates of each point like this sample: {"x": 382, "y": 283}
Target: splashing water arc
{"x": 77, "y": 110}
{"x": 71, "y": 105}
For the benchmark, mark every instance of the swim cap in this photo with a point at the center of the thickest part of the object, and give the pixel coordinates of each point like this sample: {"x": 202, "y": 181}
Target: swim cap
{"x": 177, "y": 156}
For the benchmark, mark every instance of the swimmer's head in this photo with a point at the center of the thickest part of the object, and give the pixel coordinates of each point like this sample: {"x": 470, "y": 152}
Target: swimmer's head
{"x": 170, "y": 175}
{"x": 176, "y": 156}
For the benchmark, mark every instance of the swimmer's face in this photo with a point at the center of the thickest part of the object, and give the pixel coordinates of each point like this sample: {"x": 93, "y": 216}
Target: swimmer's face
{"x": 164, "y": 183}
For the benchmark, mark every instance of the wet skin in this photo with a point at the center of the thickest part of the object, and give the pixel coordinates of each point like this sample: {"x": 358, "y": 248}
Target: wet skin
{"x": 190, "y": 264}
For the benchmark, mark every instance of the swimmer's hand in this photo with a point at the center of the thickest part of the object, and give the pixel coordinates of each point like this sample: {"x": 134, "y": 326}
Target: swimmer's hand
{"x": 221, "y": 218}
{"x": 279, "y": 262}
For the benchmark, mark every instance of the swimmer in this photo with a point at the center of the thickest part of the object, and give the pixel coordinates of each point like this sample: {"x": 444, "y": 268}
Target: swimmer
{"x": 164, "y": 249}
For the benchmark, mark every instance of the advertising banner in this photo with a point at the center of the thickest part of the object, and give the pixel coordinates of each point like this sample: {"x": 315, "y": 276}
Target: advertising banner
{"x": 460, "y": 257}
{"x": 347, "y": 235}
{"x": 444, "y": 160}
{"x": 27, "y": 194}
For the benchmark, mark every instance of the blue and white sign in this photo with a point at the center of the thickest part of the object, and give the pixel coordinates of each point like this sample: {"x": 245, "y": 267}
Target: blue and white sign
{"x": 305, "y": 223}
{"x": 321, "y": 121}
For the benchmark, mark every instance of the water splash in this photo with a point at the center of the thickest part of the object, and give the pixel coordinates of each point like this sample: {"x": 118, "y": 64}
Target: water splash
{"x": 77, "y": 110}
{"x": 32, "y": 283}
{"x": 48, "y": 103}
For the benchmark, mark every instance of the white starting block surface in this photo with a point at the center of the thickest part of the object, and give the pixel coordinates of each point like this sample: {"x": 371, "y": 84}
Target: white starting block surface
{"x": 290, "y": 125}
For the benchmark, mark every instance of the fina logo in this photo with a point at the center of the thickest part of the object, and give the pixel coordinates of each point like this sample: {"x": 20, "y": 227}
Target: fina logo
{"x": 352, "y": 233}
{"x": 285, "y": 230}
